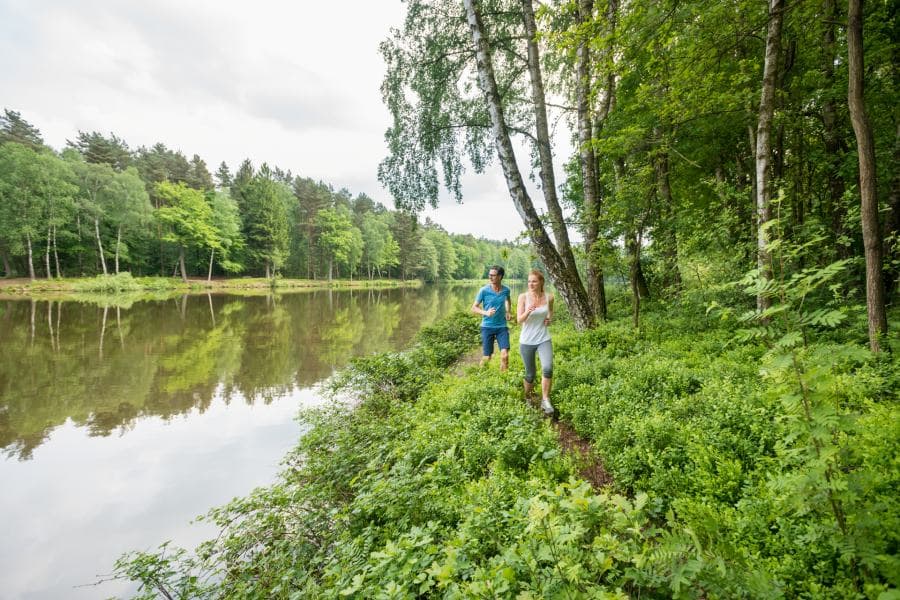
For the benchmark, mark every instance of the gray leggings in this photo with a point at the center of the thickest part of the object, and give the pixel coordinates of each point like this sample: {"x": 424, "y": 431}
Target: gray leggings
{"x": 545, "y": 352}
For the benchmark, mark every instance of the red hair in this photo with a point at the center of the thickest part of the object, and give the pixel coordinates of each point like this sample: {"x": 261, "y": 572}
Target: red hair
{"x": 540, "y": 277}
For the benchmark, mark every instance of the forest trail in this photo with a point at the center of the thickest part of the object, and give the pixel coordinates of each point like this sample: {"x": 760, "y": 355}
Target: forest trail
{"x": 590, "y": 466}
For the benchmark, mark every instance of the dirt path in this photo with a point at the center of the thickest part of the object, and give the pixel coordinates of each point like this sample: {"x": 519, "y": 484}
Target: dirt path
{"x": 590, "y": 467}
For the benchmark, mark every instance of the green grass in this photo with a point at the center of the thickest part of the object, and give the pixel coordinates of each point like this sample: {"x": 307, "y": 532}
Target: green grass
{"x": 125, "y": 282}
{"x": 440, "y": 485}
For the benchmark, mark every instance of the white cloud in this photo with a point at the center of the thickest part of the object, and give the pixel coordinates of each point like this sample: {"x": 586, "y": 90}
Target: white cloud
{"x": 295, "y": 85}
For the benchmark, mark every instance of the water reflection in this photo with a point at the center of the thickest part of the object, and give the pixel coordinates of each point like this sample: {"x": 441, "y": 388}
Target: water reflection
{"x": 105, "y": 367}
{"x": 121, "y": 423}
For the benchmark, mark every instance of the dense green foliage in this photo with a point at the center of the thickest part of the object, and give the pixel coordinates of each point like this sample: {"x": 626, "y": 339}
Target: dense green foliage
{"x": 747, "y": 462}
{"x": 99, "y": 207}
{"x": 669, "y": 152}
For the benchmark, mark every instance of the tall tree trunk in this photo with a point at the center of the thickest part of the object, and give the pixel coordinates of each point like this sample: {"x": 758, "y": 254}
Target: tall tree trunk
{"x": 100, "y": 245}
{"x": 56, "y": 255}
{"x": 754, "y": 220}
{"x": 867, "y": 177}
{"x": 181, "y": 264}
{"x": 268, "y": 271}
{"x": 80, "y": 251}
{"x": 668, "y": 236}
{"x": 632, "y": 248}
{"x": 637, "y": 271}
{"x": 47, "y": 253}
{"x": 542, "y": 130}
{"x": 595, "y": 288}
{"x": 118, "y": 243}
{"x": 162, "y": 266}
{"x": 834, "y": 144}
{"x": 212, "y": 252}
{"x": 764, "y": 149}
{"x": 30, "y": 258}
{"x": 566, "y": 280}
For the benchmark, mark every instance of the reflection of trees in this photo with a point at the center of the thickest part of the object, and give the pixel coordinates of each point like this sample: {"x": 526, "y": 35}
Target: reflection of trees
{"x": 265, "y": 367}
{"x": 104, "y": 367}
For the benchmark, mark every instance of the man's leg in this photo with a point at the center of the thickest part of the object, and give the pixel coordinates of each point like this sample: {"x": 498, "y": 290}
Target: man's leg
{"x": 487, "y": 345}
{"x": 503, "y": 342}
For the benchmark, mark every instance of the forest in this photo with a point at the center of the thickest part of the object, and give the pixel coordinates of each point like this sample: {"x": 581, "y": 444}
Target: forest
{"x": 709, "y": 139}
{"x": 99, "y": 207}
{"x": 734, "y": 164}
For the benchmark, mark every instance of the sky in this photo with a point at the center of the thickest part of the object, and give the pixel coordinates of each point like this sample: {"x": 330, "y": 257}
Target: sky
{"x": 292, "y": 84}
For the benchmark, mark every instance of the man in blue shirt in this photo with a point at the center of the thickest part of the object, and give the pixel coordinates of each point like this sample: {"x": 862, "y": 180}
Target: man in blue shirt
{"x": 493, "y": 304}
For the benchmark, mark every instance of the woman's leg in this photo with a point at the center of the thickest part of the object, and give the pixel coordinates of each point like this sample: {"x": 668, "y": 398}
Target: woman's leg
{"x": 545, "y": 352}
{"x": 527, "y": 353}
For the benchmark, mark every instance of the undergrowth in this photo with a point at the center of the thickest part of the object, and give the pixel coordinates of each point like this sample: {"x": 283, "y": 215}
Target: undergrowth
{"x": 747, "y": 462}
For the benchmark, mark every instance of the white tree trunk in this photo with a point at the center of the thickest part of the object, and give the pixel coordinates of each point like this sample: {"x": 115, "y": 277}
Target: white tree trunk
{"x": 100, "y": 245}
{"x": 56, "y": 255}
{"x": 30, "y": 258}
{"x": 545, "y": 151}
{"x": 118, "y": 243}
{"x": 181, "y": 264}
{"x": 47, "y": 254}
{"x": 763, "y": 146}
{"x": 567, "y": 281}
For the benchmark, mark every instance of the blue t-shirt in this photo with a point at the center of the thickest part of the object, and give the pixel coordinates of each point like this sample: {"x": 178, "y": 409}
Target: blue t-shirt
{"x": 488, "y": 299}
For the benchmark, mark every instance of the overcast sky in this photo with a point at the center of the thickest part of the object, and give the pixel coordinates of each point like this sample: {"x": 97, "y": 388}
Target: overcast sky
{"x": 293, "y": 84}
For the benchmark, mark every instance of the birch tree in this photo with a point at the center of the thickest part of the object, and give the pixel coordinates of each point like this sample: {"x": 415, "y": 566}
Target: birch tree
{"x": 127, "y": 205}
{"x": 457, "y": 84}
{"x": 764, "y": 149}
{"x": 21, "y": 204}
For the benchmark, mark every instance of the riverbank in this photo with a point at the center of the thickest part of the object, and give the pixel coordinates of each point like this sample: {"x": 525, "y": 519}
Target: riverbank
{"x": 124, "y": 282}
{"x": 440, "y": 484}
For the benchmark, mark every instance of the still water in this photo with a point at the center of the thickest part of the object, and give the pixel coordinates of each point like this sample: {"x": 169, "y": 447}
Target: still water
{"x": 119, "y": 424}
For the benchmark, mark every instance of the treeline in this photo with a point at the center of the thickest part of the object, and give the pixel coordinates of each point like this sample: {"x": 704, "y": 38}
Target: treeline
{"x": 100, "y": 207}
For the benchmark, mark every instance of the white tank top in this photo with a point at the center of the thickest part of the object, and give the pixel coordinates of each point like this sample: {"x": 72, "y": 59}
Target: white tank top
{"x": 534, "y": 330}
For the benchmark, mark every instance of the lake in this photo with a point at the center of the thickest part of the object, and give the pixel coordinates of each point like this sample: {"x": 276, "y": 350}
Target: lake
{"x": 120, "y": 423}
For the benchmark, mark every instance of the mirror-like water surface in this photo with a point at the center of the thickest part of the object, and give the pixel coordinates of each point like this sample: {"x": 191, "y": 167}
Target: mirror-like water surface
{"x": 119, "y": 425}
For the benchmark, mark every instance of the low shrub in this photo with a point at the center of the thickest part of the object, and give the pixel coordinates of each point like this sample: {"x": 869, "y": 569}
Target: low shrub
{"x": 728, "y": 456}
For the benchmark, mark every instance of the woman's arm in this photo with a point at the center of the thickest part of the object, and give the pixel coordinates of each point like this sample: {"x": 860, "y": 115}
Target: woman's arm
{"x": 521, "y": 312}
{"x": 549, "y": 309}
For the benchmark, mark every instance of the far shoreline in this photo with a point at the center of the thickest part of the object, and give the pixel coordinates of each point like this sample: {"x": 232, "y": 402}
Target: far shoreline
{"x": 124, "y": 283}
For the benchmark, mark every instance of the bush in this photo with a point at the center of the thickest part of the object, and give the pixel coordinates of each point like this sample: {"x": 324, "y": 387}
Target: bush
{"x": 437, "y": 485}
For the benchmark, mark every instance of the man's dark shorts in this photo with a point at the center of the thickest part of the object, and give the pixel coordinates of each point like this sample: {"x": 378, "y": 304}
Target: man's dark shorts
{"x": 489, "y": 334}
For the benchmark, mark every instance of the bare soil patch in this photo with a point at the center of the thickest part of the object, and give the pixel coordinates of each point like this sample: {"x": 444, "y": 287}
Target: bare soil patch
{"x": 589, "y": 464}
